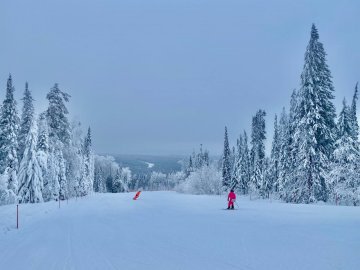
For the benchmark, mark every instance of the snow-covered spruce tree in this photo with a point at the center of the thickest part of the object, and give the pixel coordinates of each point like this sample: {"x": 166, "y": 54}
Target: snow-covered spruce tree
{"x": 241, "y": 171}
{"x": 204, "y": 180}
{"x": 245, "y": 169}
{"x": 174, "y": 179}
{"x": 126, "y": 176}
{"x": 43, "y": 148}
{"x": 56, "y": 174}
{"x": 344, "y": 176}
{"x": 158, "y": 181}
{"x": 284, "y": 154}
{"x": 200, "y": 159}
{"x": 353, "y": 118}
{"x": 118, "y": 182}
{"x": 85, "y": 184}
{"x": 88, "y": 176}
{"x": 289, "y": 147}
{"x": 293, "y": 118}
{"x": 226, "y": 164}
{"x": 105, "y": 168}
{"x": 233, "y": 158}
{"x": 99, "y": 182}
{"x": 59, "y": 127}
{"x": 30, "y": 172}
{"x": 267, "y": 185}
{"x": 314, "y": 134}
{"x": 257, "y": 154}
{"x": 237, "y": 166}
{"x": 274, "y": 168}
{"x": 75, "y": 168}
{"x": 59, "y": 137}
{"x": 26, "y": 120}
{"x": 9, "y": 123}
{"x": 190, "y": 167}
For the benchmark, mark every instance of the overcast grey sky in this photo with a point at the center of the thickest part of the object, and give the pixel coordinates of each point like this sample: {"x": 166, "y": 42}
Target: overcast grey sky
{"x": 161, "y": 77}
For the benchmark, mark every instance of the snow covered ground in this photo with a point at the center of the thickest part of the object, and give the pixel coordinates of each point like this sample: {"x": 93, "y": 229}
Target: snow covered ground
{"x": 167, "y": 230}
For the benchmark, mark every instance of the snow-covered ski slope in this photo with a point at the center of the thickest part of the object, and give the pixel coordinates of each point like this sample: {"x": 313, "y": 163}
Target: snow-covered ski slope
{"x": 167, "y": 230}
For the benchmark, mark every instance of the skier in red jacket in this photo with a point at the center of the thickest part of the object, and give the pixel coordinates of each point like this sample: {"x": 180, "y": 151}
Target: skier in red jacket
{"x": 231, "y": 199}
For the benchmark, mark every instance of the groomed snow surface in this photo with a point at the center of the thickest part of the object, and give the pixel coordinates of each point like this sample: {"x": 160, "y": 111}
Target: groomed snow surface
{"x": 167, "y": 230}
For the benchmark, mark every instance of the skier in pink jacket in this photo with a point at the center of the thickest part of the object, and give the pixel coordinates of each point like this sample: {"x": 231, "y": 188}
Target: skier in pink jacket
{"x": 231, "y": 199}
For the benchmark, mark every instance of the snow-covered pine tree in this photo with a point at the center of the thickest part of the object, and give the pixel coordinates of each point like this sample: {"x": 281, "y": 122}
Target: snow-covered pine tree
{"x": 267, "y": 185}
{"x": 315, "y": 132}
{"x": 43, "y": 147}
{"x": 126, "y": 177}
{"x": 99, "y": 182}
{"x": 201, "y": 159}
{"x": 344, "y": 176}
{"x": 274, "y": 169}
{"x": 43, "y": 133}
{"x": 285, "y": 153}
{"x": 59, "y": 127}
{"x": 353, "y": 118}
{"x": 118, "y": 183}
{"x": 293, "y": 119}
{"x": 59, "y": 136}
{"x": 74, "y": 156}
{"x": 226, "y": 163}
{"x": 245, "y": 168}
{"x": 190, "y": 167}
{"x": 233, "y": 158}
{"x": 257, "y": 155}
{"x": 26, "y": 120}
{"x": 88, "y": 176}
{"x": 289, "y": 146}
{"x": 30, "y": 172}
{"x": 55, "y": 173}
{"x": 9, "y": 123}
{"x": 237, "y": 166}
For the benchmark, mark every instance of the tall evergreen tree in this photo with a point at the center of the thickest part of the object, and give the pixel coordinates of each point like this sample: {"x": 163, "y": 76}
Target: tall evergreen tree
{"x": 236, "y": 167}
{"x": 316, "y": 131}
{"x": 190, "y": 167}
{"x": 9, "y": 123}
{"x": 226, "y": 163}
{"x": 273, "y": 181}
{"x": 353, "y": 118}
{"x": 57, "y": 112}
{"x": 245, "y": 176}
{"x": 118, "y": 183}
{"x": 75, "y": 165}
{"x": 43, "y": 133}
{"x": 59, "y": 136}
{"x": 42, "y": 148}
{"x": 257, "y": 155}
{"x": 88, "y": 177}
{"x": 344, "y": 176}
{"x": 242, "y": 165}
{"x": 30, "y": 172}
{"x": 99, "y": 182}
{"x": 26, "y": 120}
{"x": 285, "y": 153}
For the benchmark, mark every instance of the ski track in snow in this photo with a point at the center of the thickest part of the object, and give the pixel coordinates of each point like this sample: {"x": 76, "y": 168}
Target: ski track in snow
{"x": 167, "y": 230}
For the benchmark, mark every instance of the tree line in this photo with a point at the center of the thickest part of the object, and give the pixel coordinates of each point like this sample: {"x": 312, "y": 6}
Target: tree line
{"x": 42, "y": 157}
{"x": 314, "y": 155}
